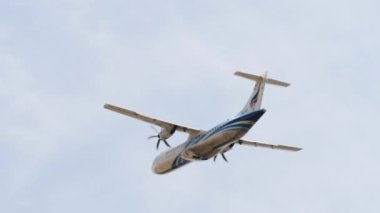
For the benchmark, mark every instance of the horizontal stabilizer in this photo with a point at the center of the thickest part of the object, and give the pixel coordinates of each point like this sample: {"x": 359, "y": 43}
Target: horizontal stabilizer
{"x": 249, "y": 76}
{"x": 260, "y": 78}
{"x": 278, "y": 83}
{"x": 269, "y": 146}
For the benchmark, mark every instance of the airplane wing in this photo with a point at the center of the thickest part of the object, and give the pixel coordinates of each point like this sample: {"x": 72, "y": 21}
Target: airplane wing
{"x": 269, "y": 146}
{"x": 192, "y": 132}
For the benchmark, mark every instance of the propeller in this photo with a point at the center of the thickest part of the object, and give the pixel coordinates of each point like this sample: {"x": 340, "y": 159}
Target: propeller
{"x": 159, "y": 138}
{"x": 224, "y": 151}
{"x": 222, "y": 154}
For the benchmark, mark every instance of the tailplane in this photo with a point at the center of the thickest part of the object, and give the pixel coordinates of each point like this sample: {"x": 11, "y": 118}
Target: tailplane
{"x": 254, "y": 102}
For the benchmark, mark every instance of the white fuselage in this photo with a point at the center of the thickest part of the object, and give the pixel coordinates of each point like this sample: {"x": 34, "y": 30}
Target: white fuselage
{"x": 207, "y": 144}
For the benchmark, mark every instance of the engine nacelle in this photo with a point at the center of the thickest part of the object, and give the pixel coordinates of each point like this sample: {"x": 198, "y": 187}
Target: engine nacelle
{"x": 226, "y": 148}
{"x": 167, "y": 133}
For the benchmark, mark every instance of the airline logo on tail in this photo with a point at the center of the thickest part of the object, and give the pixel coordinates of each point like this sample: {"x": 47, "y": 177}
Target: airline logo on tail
{"x": 254, "y": 99}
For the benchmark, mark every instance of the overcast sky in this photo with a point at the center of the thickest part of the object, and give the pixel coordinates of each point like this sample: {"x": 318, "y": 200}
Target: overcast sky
{"x": 60, "y": 61}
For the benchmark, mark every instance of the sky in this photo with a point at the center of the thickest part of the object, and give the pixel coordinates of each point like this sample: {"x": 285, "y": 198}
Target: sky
{"x": 61, "y": 61}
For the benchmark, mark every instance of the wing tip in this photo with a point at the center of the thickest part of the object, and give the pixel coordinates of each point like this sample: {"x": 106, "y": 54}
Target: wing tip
{"x": 107, "y": 106}
{"x": 289, "y": 148}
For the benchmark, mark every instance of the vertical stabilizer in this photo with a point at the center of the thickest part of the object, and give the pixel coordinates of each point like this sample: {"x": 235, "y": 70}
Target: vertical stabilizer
{"x": 254, "y": 101}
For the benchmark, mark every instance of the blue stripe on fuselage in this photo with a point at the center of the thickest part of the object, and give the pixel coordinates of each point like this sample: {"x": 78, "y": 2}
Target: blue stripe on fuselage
{"x": 236, "y": 123}
{"x": 252, "y": 116}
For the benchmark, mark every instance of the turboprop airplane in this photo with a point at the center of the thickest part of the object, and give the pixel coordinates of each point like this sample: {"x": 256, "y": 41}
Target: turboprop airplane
{"x": 203, "y": 145}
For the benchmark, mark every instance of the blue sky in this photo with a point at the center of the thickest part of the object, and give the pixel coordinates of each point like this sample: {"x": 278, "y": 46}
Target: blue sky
{"x": 60, "y": 61}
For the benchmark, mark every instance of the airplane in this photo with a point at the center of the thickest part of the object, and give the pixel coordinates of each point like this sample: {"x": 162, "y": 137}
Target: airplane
{"x": 202, "y": 145}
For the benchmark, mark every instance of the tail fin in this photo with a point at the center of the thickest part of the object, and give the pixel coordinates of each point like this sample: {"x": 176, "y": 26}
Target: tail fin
{"x": 254, "y": 102}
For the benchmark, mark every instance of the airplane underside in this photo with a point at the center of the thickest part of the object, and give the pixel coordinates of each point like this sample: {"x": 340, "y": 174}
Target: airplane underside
{"x": 203, "y": 145}
{"x": 204, "y": 151}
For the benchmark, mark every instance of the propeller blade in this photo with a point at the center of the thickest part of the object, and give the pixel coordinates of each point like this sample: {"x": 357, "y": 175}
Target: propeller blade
{"x": 215, "y": 157}
{"x": 167, "y": 144}
{"x": 158, "y": 143}
{"x": 224, "y": 157}
{"x": 155, "y": 129}
{"x": 153, "y": 136}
